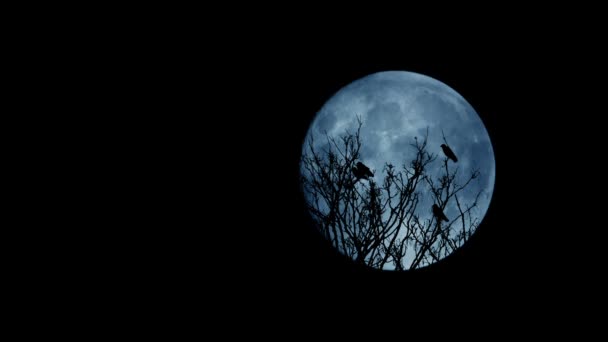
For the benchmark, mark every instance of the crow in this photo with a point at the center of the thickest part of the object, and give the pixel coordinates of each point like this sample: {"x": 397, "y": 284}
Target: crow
{"x": 362, "y": 171}
{"x": 439, "y": 214}
{"x": 448, "y": 152}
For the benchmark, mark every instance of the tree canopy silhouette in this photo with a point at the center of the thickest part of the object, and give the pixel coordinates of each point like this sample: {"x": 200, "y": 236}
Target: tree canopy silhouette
{"x": 388, "y": 221}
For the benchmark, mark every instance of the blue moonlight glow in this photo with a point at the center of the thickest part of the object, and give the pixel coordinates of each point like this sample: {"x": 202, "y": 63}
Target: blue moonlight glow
{"x": 397, "y": 106}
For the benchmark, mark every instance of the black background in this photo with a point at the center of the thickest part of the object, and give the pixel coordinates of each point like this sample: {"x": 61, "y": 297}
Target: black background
{"x": 233, "y": 217}
{"x": 190, "y": 201}
{"x": 263, "y": 236}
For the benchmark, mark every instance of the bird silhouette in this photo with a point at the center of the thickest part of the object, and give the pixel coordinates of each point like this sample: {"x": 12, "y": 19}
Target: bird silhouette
{"x": 448, "y": 152}
{"x": 362, "y": 171}
{"x": 439, "y": 213}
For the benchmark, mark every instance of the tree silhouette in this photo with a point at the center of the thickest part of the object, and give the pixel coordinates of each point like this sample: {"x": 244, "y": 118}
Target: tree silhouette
{"x": 381, "y": 222}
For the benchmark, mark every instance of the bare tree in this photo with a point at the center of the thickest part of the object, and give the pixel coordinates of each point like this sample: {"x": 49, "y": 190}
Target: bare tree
{"x": 382, "y": 224}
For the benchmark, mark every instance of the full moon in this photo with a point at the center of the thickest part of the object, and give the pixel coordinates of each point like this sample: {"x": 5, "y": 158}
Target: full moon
{"x": 377, "y": 175}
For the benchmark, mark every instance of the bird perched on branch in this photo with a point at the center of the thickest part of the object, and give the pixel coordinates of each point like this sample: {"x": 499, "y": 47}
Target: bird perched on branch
{"x": 448, "y": 152}
{"x": 362, "y": 171}
{"x": 439, "y": 213}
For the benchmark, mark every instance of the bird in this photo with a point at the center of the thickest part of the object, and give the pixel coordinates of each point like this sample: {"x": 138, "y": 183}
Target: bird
{"x": 439, "y": 213}
{"x": 362, "y": 171}
{"x": 448, "y": 152}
